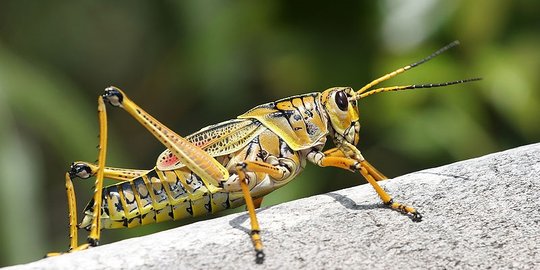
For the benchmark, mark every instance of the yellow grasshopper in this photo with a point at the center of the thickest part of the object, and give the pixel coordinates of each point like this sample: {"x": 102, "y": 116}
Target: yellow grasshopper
{"x": 229, "y": 164}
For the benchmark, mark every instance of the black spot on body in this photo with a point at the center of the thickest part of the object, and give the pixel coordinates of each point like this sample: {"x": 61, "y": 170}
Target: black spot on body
{"x": 311, "y": 129}
{"x": 309, "y": 113}
{"x": 208, "y": 206}
{"x": 118, "y": 206}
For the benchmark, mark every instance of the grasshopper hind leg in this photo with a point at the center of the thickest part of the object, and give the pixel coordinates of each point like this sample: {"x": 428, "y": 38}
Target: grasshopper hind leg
{"x": 77, "y": 170}
{"x": 72, "y": 213}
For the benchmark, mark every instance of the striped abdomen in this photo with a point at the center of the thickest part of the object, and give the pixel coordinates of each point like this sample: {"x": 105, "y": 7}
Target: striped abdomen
{"x": 155, "y": 197}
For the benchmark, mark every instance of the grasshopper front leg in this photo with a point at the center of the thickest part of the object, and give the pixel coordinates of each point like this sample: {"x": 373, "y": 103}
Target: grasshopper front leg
{"x": 337, "y": 153}
{"x": 372, "y": 175}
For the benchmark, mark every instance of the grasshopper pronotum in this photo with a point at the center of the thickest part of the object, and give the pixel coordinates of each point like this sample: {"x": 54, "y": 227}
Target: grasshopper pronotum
{"x": 231, "y": 163}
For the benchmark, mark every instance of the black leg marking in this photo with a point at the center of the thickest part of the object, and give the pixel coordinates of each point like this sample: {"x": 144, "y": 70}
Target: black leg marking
{"x": 416, "y": 217}
{"x": 80, "y": 170}
{"x": 93, "y": 242}
{"x": 113, "y": 96}
{"x": 259, "y": 257}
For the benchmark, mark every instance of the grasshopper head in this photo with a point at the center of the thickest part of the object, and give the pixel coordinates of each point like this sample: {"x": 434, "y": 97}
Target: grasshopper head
{"x": 340, "y": 102}
{"x": 340, "y": 107}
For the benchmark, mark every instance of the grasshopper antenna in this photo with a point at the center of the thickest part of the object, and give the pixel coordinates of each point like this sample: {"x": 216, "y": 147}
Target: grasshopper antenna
{"x": 413, "y": 86}
{"x": 363, "y": 92}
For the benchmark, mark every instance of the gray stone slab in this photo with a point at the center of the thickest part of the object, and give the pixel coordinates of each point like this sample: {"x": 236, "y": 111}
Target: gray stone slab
{"x": 479, "y": 213}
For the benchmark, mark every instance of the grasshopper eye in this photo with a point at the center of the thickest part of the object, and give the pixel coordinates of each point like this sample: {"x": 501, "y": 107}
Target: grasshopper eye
{"x": 342, "y": 101}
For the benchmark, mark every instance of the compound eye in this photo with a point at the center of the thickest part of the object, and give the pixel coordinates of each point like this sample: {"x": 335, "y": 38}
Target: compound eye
{"x": 342, "y": 100}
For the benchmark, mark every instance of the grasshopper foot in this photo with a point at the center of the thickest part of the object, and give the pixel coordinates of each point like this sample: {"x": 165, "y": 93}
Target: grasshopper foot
{"x": 93, "y": 242}
{"x": 259, "y": 257}
{"x": 52, "y": 254}
{"x": 416, "y": 217}
{"x": 405, "y": 209}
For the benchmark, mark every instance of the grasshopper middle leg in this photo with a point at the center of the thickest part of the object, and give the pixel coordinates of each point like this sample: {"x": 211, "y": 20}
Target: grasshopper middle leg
{"x": 85, "y": 170}
{"x": 276, "y": 172}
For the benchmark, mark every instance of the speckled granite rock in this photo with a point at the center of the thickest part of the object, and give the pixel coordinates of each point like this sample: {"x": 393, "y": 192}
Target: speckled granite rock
{"x": 479, "y": 213}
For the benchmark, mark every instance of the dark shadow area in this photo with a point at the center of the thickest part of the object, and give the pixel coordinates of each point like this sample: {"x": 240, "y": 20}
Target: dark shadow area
{"x": 237, "y": 221}
{"x": 350, "y": 204}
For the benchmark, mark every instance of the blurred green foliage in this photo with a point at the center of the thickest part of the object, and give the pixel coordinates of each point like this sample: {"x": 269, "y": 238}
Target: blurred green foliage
{"x": 195, "y": 63}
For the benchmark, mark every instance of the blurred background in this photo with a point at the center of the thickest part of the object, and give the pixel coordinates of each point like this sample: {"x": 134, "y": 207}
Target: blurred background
{"x": 196, "y": 63}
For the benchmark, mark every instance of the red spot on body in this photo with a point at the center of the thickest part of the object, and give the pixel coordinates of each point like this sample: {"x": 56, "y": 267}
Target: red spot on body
{"x": 169, "y": 160}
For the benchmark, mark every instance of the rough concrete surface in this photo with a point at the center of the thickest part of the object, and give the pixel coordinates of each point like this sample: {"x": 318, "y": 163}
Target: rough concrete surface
{"x": 479, "y": 213}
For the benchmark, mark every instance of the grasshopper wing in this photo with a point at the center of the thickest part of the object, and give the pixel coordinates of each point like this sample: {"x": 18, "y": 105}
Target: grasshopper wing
{"x": 217, "y": 140}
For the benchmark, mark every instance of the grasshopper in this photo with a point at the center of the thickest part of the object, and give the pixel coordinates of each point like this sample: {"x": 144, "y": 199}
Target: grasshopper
{"x": 231, "y": 163}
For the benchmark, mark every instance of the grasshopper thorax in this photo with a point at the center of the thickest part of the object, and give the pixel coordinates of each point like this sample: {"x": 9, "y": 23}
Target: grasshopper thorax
{"x": 340, "y": 107}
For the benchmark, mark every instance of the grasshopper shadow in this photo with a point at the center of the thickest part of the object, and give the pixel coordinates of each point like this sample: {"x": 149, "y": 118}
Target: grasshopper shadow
{"x": 236, "y": 222}
{"x": 350, "y": 204}
{"x": 345, "y": 201}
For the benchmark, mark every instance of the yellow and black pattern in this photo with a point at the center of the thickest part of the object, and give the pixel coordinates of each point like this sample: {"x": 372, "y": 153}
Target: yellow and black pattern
{"x": 217, "y": 140}
{"x": 231, "y": 163}
{"x": 160, "y": 195}
{"x": 155, "y": 197}
{"x": 299, "y": 120}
